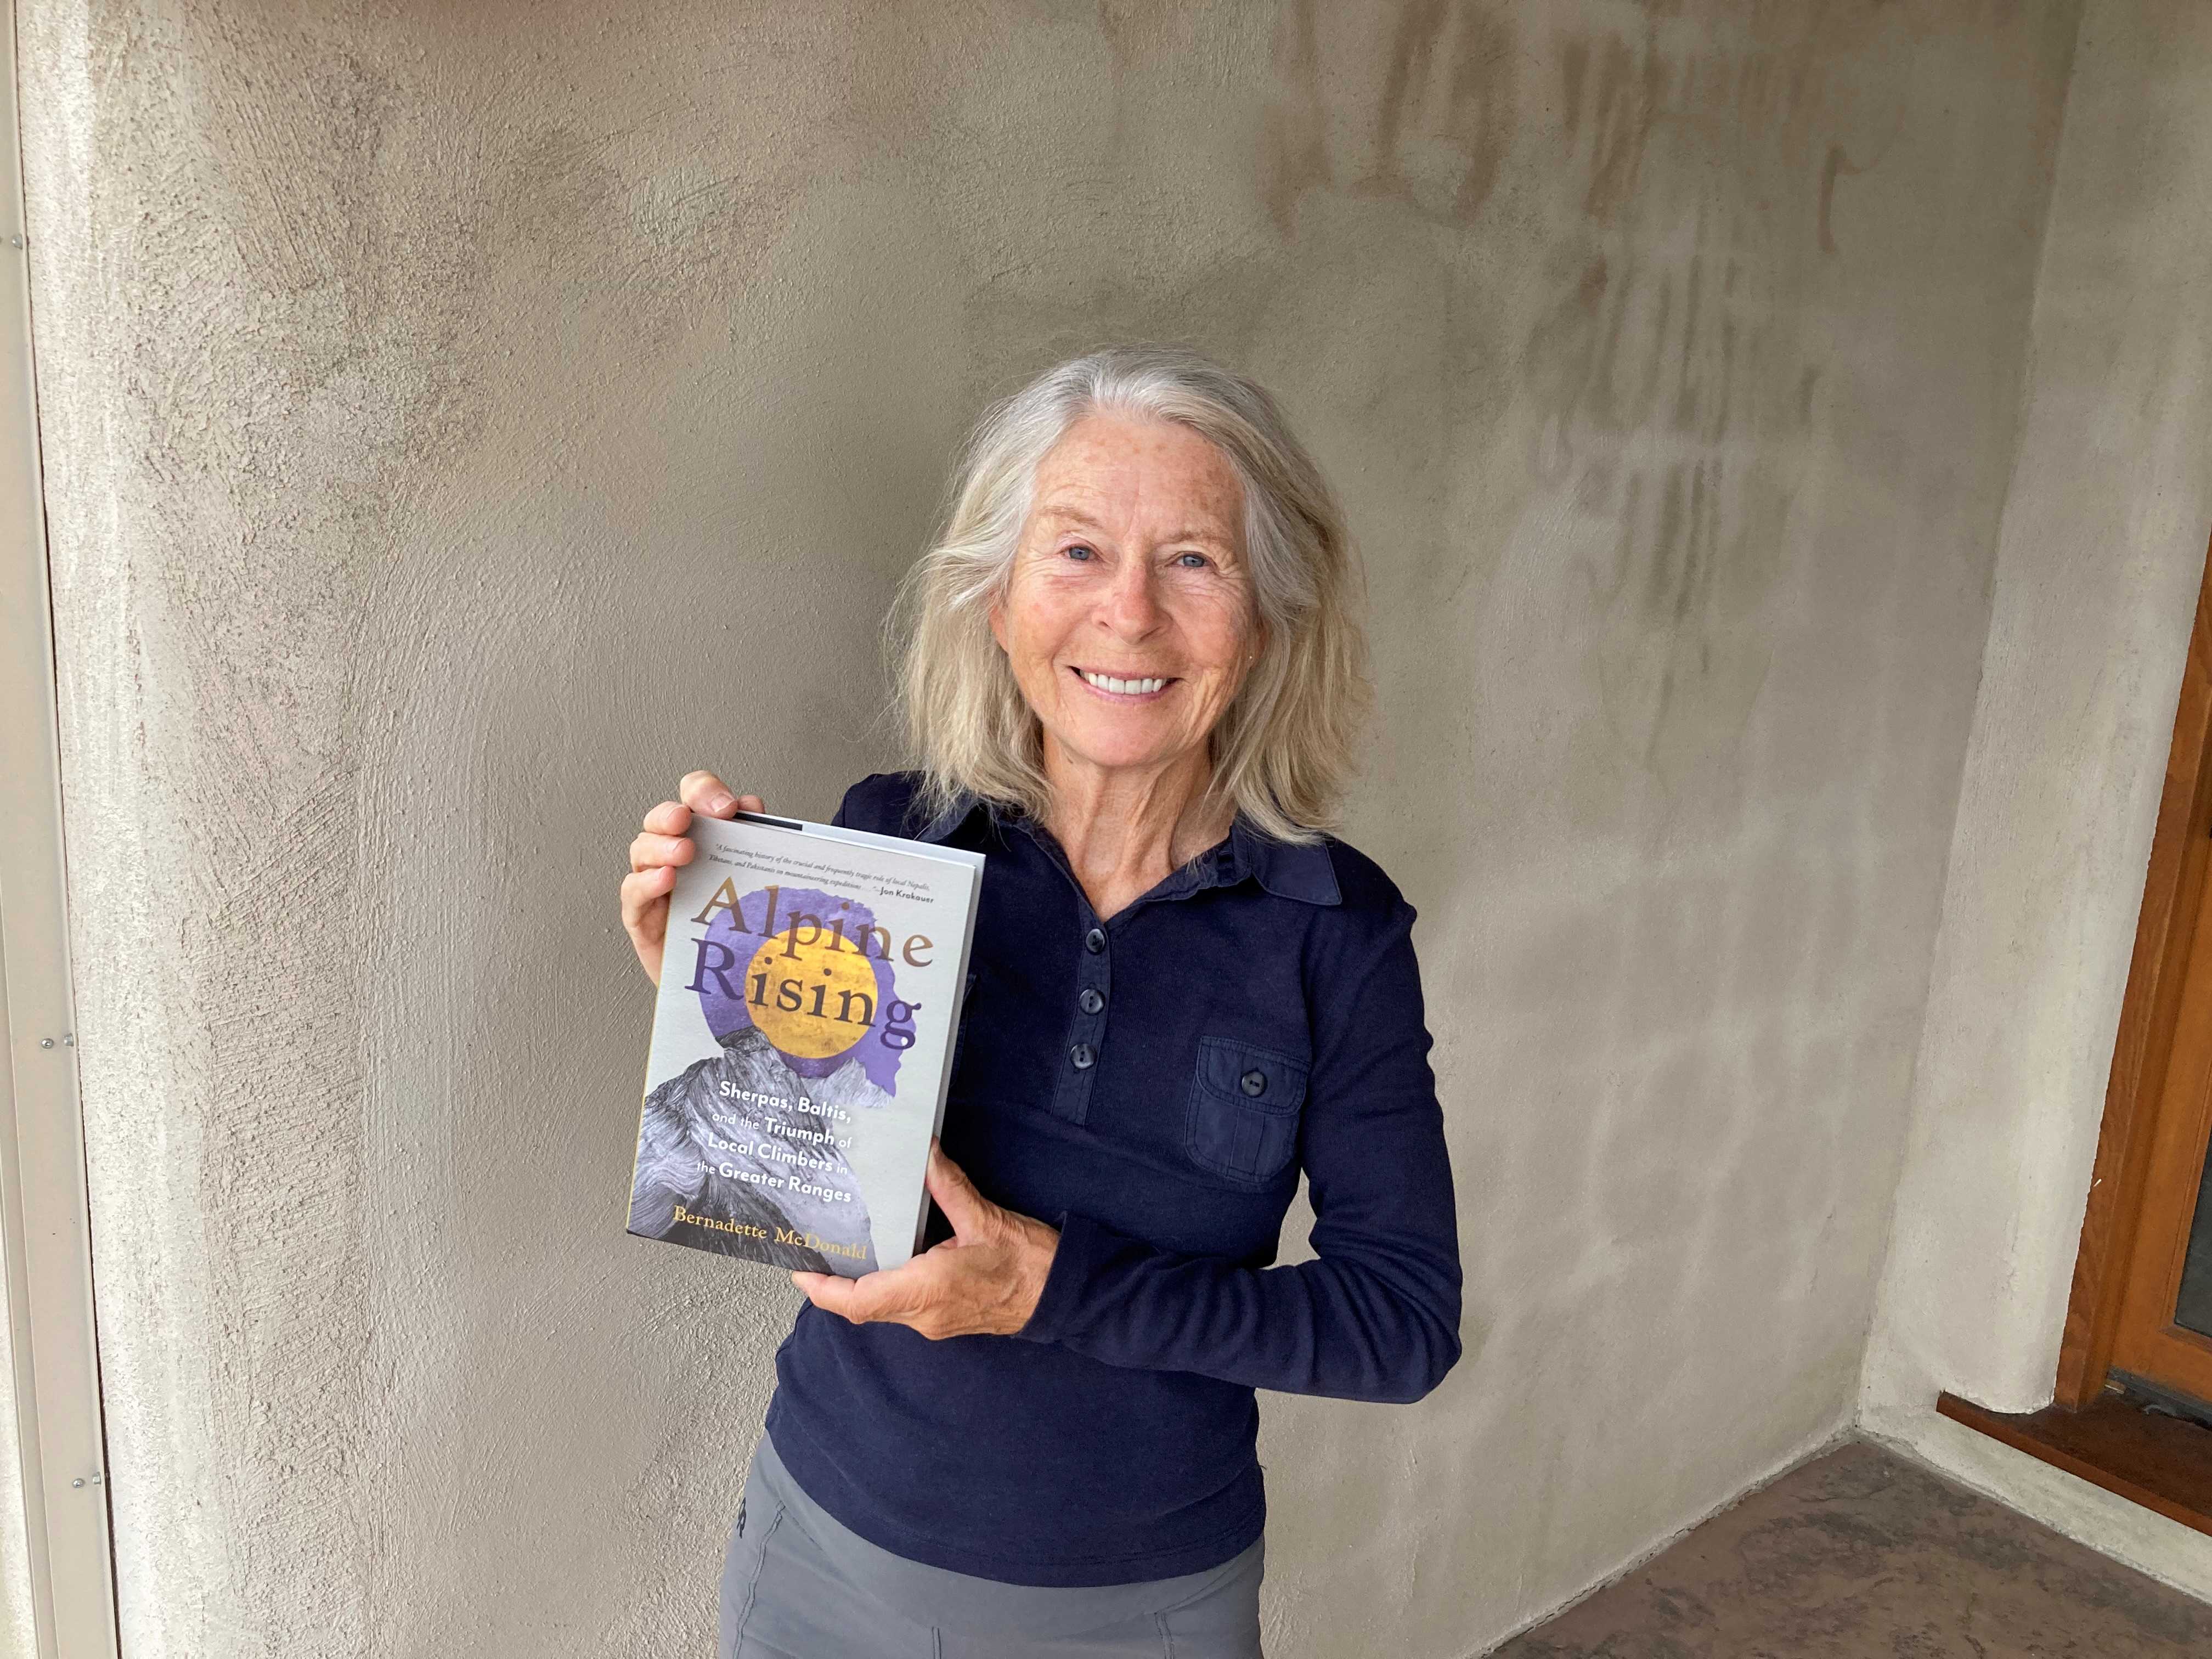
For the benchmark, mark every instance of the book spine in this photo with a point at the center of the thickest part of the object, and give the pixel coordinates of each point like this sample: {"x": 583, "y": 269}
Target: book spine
{"x": 952, "y": 1041}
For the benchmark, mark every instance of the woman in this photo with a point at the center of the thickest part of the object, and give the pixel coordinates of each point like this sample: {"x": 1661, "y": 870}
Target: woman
{"x": 1133, "y": 679}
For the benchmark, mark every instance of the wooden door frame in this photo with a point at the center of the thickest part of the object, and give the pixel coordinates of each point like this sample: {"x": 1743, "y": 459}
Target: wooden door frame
{"x": 2173, "y": 890}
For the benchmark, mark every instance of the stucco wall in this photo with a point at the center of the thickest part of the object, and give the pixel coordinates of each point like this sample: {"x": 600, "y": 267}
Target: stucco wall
{"x": 460, "y": 421}
{"x": 2099, "y": 562}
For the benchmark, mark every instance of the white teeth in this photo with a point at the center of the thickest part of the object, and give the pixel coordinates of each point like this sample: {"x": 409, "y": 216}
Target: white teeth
{"x": 1107, "y": 683}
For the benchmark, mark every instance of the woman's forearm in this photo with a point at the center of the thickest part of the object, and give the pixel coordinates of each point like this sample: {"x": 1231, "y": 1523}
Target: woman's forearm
{"x": 1359, "y": 1323}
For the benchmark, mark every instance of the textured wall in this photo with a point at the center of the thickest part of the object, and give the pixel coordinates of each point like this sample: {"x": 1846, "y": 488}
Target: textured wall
{"x": 461, "y": 420}
{"x": 2099, "y": 562}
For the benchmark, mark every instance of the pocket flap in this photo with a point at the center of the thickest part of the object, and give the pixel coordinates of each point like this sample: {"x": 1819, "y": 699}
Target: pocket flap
{"x": 1259, "y": 1077}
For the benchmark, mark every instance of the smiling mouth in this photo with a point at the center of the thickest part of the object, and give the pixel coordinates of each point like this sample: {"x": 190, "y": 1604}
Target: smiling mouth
{"x": 1113, "y": 685}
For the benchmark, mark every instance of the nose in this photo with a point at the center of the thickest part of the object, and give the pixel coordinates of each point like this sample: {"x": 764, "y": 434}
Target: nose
{"x": 1131, "y": 609}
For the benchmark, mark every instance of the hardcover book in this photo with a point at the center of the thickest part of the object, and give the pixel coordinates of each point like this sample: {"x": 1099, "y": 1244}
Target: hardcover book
{"x": 802, "y": 1043}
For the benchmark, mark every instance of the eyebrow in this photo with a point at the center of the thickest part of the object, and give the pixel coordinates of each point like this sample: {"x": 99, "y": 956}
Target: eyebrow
{"x": 1077, "y": 516}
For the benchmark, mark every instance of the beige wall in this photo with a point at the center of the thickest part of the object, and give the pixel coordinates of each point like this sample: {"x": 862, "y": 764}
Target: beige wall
{"x": 2099, "y": 562}
{"x": 461, "y": 420}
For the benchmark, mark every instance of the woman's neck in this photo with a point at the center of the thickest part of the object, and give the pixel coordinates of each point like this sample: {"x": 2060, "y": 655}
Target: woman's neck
{"x": 1125, "y": 828}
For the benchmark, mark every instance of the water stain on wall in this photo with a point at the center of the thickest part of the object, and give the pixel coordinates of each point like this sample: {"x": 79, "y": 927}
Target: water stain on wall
{"x": 1435, "y": 129}
{"x": 1624, "y": 100}
{"x": 1671, "y": 375}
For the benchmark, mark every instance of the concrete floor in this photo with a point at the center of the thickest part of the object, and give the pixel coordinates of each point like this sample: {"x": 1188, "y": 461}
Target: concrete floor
{"x": 1861, "y": 1555}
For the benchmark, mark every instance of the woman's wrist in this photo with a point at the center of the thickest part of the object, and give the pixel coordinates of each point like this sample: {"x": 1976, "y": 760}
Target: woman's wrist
{"x": 1035, "y": 1247}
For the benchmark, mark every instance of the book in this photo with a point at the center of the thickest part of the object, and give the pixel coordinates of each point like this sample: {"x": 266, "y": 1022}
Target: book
{"x": 802, "y": 1043}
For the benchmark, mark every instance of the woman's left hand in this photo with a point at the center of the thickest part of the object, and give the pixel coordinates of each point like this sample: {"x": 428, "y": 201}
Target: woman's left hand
{"x": 984, "y": 1280}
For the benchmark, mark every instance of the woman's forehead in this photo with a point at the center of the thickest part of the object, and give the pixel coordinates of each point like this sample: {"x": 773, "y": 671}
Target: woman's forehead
{"x": 1102, "y": 437}
{"x": 1106, "y": 469}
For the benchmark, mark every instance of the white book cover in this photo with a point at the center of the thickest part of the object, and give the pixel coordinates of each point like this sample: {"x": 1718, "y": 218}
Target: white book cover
{"x": 802, "y": 1043}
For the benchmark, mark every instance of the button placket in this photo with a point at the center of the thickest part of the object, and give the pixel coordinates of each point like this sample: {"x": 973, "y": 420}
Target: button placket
{"x": 1086, "y": 1030}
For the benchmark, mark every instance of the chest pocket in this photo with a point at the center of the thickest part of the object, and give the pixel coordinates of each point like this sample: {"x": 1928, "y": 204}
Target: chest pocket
{"x": 1242, "y": 1123}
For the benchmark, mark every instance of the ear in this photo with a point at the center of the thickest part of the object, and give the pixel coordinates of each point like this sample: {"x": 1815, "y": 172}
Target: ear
{"x": 997, "y": 613}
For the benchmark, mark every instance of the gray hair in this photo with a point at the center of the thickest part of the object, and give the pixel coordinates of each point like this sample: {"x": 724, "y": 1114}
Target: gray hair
{"x": 1284, "y": 748}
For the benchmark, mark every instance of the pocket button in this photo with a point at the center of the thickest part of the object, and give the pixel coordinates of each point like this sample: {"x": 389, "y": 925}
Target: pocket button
{"x": 1255, "y": 1082}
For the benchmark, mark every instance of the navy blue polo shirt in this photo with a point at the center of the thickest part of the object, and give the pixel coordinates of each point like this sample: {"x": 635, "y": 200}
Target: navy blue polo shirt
{"x": 1153, "y": 1085}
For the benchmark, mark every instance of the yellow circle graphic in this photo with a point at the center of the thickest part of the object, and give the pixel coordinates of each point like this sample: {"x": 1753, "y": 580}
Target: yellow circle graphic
{"x": 810, "y": 1000}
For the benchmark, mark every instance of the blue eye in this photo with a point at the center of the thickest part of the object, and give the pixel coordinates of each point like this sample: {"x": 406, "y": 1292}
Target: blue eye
{"x": 1193, "y": 560}
{"x": 1077, "y": 550}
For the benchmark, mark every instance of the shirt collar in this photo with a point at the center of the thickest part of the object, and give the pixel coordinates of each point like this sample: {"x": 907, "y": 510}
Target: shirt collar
{"x": 942, "y": 826}
{"x": 1288, "y": 870}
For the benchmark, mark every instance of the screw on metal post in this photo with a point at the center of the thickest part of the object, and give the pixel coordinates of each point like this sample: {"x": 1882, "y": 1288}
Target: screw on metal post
{"x": 69, "y": 1039}
{"x": 79, "y": 1481}
{"x": 46, "y": 1043}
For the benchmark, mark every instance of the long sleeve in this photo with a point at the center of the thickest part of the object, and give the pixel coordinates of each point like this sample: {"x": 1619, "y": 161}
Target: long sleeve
{"x": 1376, "y": 1315}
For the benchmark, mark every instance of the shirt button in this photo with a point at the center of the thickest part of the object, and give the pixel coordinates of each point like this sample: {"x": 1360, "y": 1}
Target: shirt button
{"x": 1255, "y": 1082}
{"x": 1094, "y": 940}
{"x": 1083, "y": 1055}
{"x": 1090, "y": 1002}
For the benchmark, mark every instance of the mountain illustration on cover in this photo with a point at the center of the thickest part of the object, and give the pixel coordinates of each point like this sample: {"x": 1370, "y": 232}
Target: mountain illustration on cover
{"x": 744, "y": 1151}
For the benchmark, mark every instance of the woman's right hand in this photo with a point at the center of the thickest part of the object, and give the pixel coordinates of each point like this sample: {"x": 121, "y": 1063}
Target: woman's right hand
{"x": 662, "y": 845}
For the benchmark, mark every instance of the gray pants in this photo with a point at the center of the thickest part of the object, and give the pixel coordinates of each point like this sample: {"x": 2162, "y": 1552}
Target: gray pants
{"x": 799, "y": 1584}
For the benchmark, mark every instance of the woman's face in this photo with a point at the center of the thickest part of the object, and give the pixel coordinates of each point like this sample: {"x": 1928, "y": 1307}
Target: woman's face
{"x": 1128, "y": 618}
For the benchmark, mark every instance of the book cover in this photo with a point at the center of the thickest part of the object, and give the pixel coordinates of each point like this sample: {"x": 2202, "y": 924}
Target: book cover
{"x": 802, "y": 1043}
